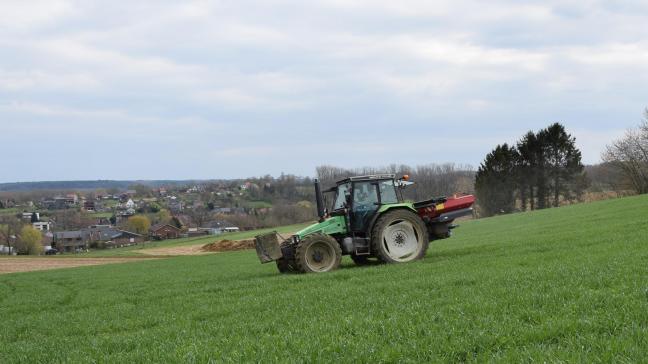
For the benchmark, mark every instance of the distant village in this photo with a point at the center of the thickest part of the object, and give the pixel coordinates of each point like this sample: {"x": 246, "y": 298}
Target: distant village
{"x": 75, "y": 222}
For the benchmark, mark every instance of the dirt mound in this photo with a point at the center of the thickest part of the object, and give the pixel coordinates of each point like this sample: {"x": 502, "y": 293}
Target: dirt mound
{"x": 228, "y": 245}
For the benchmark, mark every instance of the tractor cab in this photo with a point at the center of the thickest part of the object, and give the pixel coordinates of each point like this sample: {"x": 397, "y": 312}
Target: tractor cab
{"x": 360, "y": 198}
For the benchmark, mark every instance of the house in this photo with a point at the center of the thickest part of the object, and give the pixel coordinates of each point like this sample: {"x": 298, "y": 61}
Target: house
{"x": 192, "y": 232}
{"x": 175, "y": 206}
{"x": 110, "y": 236}
{"x": 89, "y": 205}
{"x": 69, "y": 241}
{"x": 164, "y": 231}
{"x": 6, "y": 250}
{"x": 28, "y": 215}
{"x": 60, "y": 202}
{"x": 42, "y": 225}
{"x": 72, "y": 197}
{"x": 130, "y": 204}
{"x": 46, "y": 242}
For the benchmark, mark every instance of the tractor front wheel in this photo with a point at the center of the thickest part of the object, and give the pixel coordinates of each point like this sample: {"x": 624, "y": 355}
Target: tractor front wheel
{"x": 318, "y": 253}
{"x": 286, "y": 264}
{"x": 399, "y": 236}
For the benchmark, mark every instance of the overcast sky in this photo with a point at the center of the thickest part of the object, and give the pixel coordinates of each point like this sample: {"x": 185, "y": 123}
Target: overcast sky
{"x": 219, "y": 89}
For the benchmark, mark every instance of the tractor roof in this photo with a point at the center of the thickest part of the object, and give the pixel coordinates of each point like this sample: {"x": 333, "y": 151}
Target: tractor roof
{"x": 371, "y": 177}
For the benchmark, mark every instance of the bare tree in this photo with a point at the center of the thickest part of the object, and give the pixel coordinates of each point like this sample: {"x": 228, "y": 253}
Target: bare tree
{"x": 199, "y": 216}
{"x": 630, "y": 155}
{"x": 9, "y": 228}
{"x": 430, "y": 179}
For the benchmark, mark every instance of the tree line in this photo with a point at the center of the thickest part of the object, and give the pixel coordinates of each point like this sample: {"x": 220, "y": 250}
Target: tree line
{"x": 543, "y": 169}
{"x": 430, "y": 180}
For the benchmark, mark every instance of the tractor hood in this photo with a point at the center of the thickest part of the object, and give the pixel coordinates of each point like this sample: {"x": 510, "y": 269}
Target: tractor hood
{"x": 332, "y": 225}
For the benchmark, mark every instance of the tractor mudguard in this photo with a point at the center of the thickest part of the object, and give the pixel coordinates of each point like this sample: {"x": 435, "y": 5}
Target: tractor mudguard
{"x": 389, "y": 207}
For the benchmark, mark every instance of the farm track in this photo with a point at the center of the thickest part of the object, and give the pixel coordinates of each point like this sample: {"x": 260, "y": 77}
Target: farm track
{"x": 20, "y": 264}
{"x": 28, "y": 264}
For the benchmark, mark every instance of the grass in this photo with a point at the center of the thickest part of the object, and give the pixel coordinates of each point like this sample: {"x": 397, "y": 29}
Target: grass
{"x": 10, "y": 211}
{"x": 560, "y": 285}
{"x": 101, "y": 214}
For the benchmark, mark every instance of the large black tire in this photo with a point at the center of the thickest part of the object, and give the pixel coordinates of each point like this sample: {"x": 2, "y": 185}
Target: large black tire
{"x": 283, "y": 265}
{"x": 399, "y": 236}
{"x": 317, "y": 253}
{"x": 286, "y": 264}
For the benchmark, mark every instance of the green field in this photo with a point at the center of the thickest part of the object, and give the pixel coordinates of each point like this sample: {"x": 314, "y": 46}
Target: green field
{"x": 10, "y": 211}
{"x": 106, "y": 215}
{"x": 560, "y": 285}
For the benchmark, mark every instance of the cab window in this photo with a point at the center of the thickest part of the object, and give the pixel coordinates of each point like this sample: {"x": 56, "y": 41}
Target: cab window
{"x": 340, "y": 197}
{"x": 364, "y": 195}
{"x": 388, "y": 192}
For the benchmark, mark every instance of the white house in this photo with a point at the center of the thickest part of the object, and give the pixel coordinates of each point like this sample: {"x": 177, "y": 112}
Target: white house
{"x": 6, "y": 250}
{"x": 28, "y": 215}
{"x": 42, "y": 225}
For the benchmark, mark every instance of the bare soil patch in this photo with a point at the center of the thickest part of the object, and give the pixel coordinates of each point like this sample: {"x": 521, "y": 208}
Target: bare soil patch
{"x": 198, "y": 249}
{"x": 174, "y": 250}
{"x": 20, "y": 264}
{"x": 223, "y": 245}
{"x": 228, "y": 245}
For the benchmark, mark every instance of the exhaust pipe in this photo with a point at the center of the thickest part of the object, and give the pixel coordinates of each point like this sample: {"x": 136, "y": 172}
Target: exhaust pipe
{"x": 319, "y": 200}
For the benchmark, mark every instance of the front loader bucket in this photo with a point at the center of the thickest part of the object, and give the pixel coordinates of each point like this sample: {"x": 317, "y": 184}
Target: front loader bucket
{"x": 267, "y": 247}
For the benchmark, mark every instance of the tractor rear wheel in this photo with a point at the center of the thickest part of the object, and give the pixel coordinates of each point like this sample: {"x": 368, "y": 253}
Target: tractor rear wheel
{"x": 399, "y": 236}
{"x": 317, "y": 253}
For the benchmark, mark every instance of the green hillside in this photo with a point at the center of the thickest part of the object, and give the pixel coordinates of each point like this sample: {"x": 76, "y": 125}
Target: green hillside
{"x": 568, "y": 284}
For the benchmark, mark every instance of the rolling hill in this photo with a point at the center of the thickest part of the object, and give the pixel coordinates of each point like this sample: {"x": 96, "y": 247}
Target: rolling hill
{"x": 566, "y": 284}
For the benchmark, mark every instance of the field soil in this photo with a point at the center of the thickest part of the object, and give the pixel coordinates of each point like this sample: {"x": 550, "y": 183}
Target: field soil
{"x": 224, "y": 245}
{"x": 13, "y": 265}
{"x": 195, "y": 249}
{"x": 198, "y": 249}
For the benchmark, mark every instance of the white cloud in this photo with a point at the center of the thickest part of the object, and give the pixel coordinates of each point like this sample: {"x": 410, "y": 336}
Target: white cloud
{"x": 39, "y": 79}
{"x": 239, "y": 73}
{"x": 21, "y": 15}
{"x": 592, "y": 142}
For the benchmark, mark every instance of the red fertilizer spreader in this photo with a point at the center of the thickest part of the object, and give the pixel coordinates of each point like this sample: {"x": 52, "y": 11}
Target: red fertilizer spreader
{"x": 440, "y": 213}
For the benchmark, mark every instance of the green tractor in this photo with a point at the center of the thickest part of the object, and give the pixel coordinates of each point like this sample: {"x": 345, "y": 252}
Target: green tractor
{"x": 368, "y": 220}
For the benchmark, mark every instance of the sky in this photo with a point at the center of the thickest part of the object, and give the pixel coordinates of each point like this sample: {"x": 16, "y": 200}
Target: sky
{"x": 231, "y": 89}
